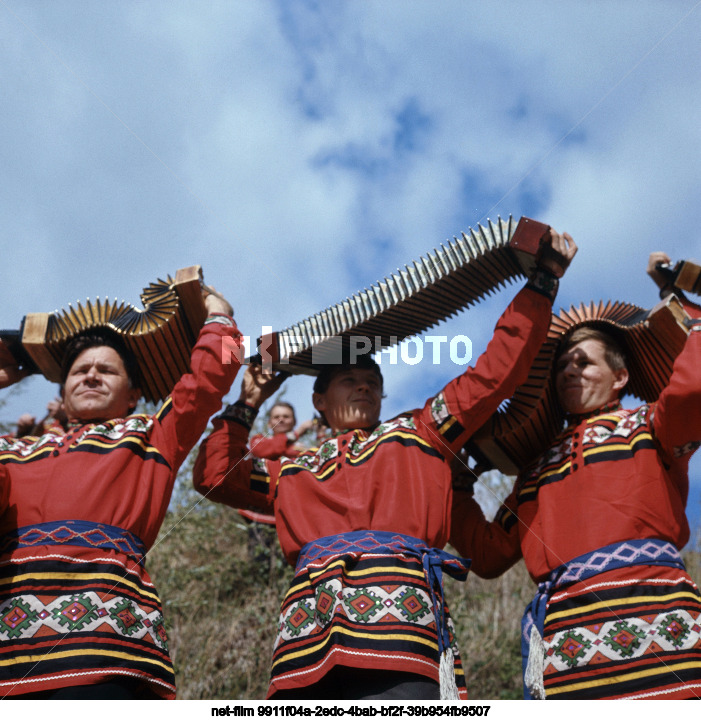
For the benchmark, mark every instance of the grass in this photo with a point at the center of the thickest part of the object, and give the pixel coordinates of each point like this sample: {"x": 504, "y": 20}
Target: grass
{"x": 221, "y": 602}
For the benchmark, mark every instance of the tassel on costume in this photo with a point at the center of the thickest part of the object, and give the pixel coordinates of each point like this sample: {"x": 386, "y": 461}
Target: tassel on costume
{"x": 533, "y": 677}
{"x": 446, "y": 674}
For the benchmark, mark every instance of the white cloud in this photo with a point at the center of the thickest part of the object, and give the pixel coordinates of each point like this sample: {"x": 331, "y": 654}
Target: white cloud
{"x": 142, "y": 137}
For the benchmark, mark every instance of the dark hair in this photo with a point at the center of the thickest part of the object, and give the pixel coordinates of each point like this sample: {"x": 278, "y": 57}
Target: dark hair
{"x": 284, "y": 404}
{"x": 100, "y": 337}
{"x": 329, "y": 372}
{"x": 614, "y": 350}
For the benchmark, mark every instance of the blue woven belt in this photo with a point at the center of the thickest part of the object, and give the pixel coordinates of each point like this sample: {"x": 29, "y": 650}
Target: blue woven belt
{"x": 642, "y": 552}
{"x": 76, "y": 533}
{"x": 433, "y": 560}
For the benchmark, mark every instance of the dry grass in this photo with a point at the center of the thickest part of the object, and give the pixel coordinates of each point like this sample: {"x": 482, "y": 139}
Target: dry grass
{"x": 222, "y": 611}
{"x": 221, "y": 608}
{"x": 487, "y": 618}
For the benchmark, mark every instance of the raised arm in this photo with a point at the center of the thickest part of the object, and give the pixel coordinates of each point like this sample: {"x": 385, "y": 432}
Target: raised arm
{"x": 468, "y": 401}
{"x": 214, "y": 362}
{"x": 222, "y": 473}
{"x": 10, "y": 371}
{"x": 676, "y": 416}
{"x": 662, "y": 281}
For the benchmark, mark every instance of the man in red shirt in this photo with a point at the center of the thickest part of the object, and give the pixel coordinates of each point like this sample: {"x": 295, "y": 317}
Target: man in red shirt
{"x": 79, "y": 510}
{"x": 364, "y": 516}
{"x": 598, "y": 520}
{"x": 282, "y": 440}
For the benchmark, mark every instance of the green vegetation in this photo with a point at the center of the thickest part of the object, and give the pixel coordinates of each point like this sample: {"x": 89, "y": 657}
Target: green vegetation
{"x": 221, "y": 606}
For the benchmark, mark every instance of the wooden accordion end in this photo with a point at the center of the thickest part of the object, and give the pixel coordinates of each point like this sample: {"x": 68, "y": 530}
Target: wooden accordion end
{"x": 412, "y": 300}
{"x": 161, "y": 335}
{"x": 685, "y": 275}
{"x": 525, "y": 426}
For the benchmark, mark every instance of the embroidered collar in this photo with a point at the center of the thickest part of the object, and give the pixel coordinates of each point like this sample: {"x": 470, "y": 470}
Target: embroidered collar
{"x": 367, "y": 430}
{"x": 574, "y": 419}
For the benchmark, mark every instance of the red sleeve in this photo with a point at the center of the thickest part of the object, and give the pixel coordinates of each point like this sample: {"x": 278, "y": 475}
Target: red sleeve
{"x": 677, "y": 413}
{"x": 197, "y": 396}
{"x": 693, "y": 309}
{"x": 492, "y": 546}
{"x": 4, "y": 490}
{"x": 224, "y": 474}
{"x": 467, "y": 402}
{"x": 270, "y": 447}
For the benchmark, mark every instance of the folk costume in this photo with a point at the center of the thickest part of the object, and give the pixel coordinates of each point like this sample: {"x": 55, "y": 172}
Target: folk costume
{"x": 364, "y": 516}
{"x": 271, "y": 448}
{"x": 78, "y": 512}
{"x": 598, "y": 520}
{"x": 274, "y": 447}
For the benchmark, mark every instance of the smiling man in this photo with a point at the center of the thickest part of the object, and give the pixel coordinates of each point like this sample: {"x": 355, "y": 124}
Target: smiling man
{"x": 282, "y": 440}
{"x": 97, "y": 385}
{"x": 364, "y": 516}
{"x": 590, "y": 372}
{"x": 283, "y": 436}
{"x": 79, "y": 616}
{"x": 598, "y": 520}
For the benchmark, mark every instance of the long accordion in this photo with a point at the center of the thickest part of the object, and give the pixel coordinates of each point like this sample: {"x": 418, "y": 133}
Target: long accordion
{"x": 458, "y": 275}
{"x": 161, "y": 335}
{"x": 412, "y": 300}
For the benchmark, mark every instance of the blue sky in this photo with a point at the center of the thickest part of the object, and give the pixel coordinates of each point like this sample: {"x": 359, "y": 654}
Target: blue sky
{"x": 300, "y": 151}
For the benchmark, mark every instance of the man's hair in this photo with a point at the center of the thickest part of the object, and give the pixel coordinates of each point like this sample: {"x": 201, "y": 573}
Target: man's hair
{"x": 329, "y": 372}
{"x": 614, "y": 352}
{"x": 100, "y": 337}
{"x": 284, "y": 404}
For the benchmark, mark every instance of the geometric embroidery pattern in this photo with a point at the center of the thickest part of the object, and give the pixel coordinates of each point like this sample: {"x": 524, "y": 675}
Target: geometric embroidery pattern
{"x": 25, "y": 616}
{"x": 572, "y": 647}
{"x": 412, "y": 605}
{"x": 685, "y": 450}
{"x": 301, "y": 616}
{"x": 16, "y": 619}
{"x": 368, "y": 605}
{"x": 366, "y": 595}
{"x": 439, "y": 409}
{"x": 363, "y": 605}
{"x": 622, "y": 639}
{"x": 626, "y": 553}
{"x": 325, "y": 603}
{"x": 675, "y": 630}
{"x": 127, "y": 617}
{"x": 75, "y": 533}
{"x": 75, "y": 612}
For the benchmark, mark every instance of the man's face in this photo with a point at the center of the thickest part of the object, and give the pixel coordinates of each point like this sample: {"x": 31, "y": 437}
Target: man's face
{"x": 352, "y": 400}
{"x": 282, "y": 419}
{"x": 97, "y": 387}
{"x": 584, "y": 380}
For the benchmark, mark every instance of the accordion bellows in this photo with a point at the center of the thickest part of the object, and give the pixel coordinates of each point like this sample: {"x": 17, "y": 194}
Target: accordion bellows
{"x": 161, "y": 335}
{"x": 413, "y": 299}
{"x": 456, "y": 276}
{"x": 525, "y": 426}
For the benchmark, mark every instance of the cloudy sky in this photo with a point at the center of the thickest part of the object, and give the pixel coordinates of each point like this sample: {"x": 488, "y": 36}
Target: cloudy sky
{"x": 300, "y": 150}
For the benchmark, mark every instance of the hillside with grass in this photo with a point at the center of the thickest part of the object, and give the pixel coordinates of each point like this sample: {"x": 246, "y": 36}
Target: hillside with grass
{"x": 221, "y": 594}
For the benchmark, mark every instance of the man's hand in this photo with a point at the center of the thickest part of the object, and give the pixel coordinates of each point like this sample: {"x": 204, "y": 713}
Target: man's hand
{"x": 215, "y": 302}
{"x": 9, "y": 369}
{"x": 25, "y": 424}
{"x": 303, "y": 427}
{"x": 258, "y": 384}
{"x": 658, "y": 257}
{"x": 557, "y": 253}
